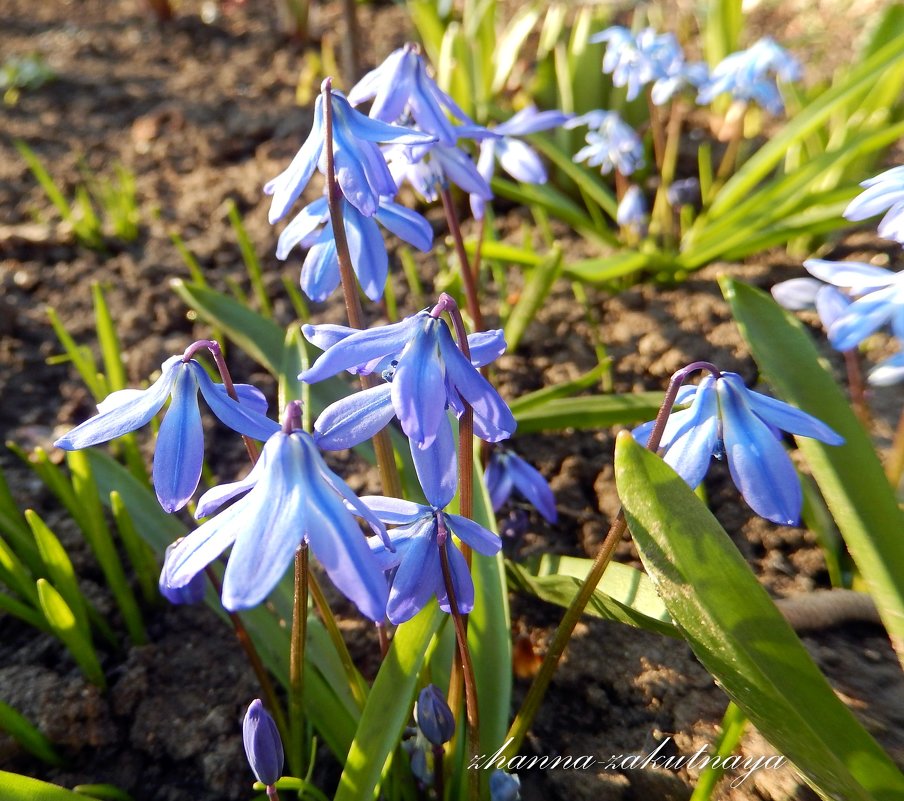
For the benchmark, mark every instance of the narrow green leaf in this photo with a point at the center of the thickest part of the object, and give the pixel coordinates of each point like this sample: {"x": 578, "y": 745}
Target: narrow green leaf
{"x": 537, "y": 284}
{"x": 27, "y": 614}
{"x": 735, "y": 630}
{"x": 850, "y": 477}
{"x": 723, "y": 26}
{"x": 16, "y": 575}
{"x": 15, "y": 529}
{"x": 588, "y": 181}
{"x": 609, "y": 268}
{"x": 139, "y": 552}
{"x": 81, "y": 358}
{"x": 510, "y": 43}
{"x": 23, "y": 788}
{"x": 28, "y": 735}
{"x": 599, "y": 411}
{"x": 564, "y": 390}
{"x": 252, "y": 263}
{"x": 734, "y": 722}
{"x": 624, "y": 594}
{"x": 109, "y": 342}
{"x": 64, "y": 625}
{"x": 102, "y": 792}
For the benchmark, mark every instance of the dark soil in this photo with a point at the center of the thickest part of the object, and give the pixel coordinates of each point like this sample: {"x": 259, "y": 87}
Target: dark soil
{"x": 204, "y": 114}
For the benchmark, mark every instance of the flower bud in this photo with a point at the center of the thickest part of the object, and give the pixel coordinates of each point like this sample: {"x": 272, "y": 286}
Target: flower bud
{"x": 263, "y": 746}
{"x": 505, "y": 786}
{"x": 433, "y": 716}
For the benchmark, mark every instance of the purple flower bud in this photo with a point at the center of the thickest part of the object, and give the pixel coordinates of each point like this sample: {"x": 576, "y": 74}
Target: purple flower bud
{"x": 434, "y": 718}
{"x": 262, "y": 744}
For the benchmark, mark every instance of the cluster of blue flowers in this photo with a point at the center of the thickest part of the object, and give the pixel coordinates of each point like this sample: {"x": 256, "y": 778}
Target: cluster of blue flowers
{"x": 854, "y": 299}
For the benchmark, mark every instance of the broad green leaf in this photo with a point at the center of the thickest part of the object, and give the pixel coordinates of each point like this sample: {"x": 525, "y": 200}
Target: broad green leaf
{"x": 738, "y": 634}
{"x": 623, "y": 594}
{"x": 850, "y": 477}
{"x": 537, "y": 284}
{"x": 64, "y": 625}
{"x": 388, "y": 706}
{"x": 23, "y": 788}
{"x": 27, "y": 735}
{"x": 598, "y": 411}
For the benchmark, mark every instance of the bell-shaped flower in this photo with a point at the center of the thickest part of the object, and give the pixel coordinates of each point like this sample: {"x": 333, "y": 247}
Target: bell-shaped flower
{"x": 637, "y": 60}
{"x": 632, "y": 210}
{"x": 291, "y": 498}
{"x": 612, "y": 144}
{"x": 751, "y": 74}
{"x": 433, "y": 716}
{"x": 263, "y": 745}
{"x": 504, "y": 786}
{"x": 727, "y": 419}
{"x": 312, "y": 230}
{"x": 514, "y": 156}
{"x": 884, "y": 191}
{"x": 401, "y": 87}
{"x": 191, "y": 593}
{"x": 179, "y": 452}
{"x": 419, "y": 533}
{"x": 507, "y": 472}
{"x": 360, "y": 168}
{"x": 429, "y": 172}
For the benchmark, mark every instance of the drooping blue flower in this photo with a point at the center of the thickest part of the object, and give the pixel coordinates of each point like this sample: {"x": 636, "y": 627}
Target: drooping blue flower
{"x": 635, "y": 61}
{"x": 508, "y": 472}
{"x": 191, "y": 593}
{"x": 727, "y": 419}
{"x": 888, "y": 372}
{"x": 751, "y": 75}
{"x": 515, "y": 157}
{"x": 359, "y": 416}
{"x": 312, "y": 230}
{"x": 419, "y": 533}
{"x": 360, "y": 168}
{"x": 612, "y": 144}
{"x": 263, "y": 745}
{"x": 429, "y": 172}
{"x": 632, "y": 209}
{"x": 679, "y": 75}
{"x": 401, "y": 87}
{"x": 292, "y": 497}
{"x": 433, "y": 716}
{"x": 884, "y": 191}
{"x": 179, "y": 451}
{"x": 683, "y": 192}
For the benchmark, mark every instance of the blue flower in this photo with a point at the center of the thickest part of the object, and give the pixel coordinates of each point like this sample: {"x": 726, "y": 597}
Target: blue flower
{"x": 885, "y": 191}
{"x": 433, "y": 716}
{"x": 612, "y": 145}
{"x": 419, "y": 534}
{"x": 635, "y": 61}
{"x": 507, "y": 472}
{"x": 292, "y": 497}
{"x": 727, "y": 419}
{"x": 516, "y": 158}
{"x": 504, "y": 786}
{"x": 311, "y": 229}
{"x": 263, "y": 745}
{"x": 359, "y": 416}
{"x": 632, "y": 210}
{"x": 431, "y": 171}
{"x": 751, "y": 75}
{"x": 401, "y": 87}
{"x": 191, "y": 593}
{"x": 361, "y": 170}
{"x": 179, "y": 452}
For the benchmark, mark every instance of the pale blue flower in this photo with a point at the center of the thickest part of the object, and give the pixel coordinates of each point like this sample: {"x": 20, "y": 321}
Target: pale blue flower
{"x": 727, "y": 419}
{"x": 360, "y": 168}
{"x": 888, "y": 372}
{"x": 191, "y": 593}
{"x": 612, "y": 144}
{"x": 312, "y": 230}
{"x": 507, "y": 472}
{"x": 419, "y": 533}
{"x": 179, "y": 451}
{"x": 679, "y": 75}
{"x": 429, "y": 172}
{"x": 292, "y": 498}
{"x": 885, "y": 191}
{"x": 504, "y": 786}
{"x": 635, "y": 61}
{"x": 263, "y": 746}
{"x": 751, "y": 75}
{"x": 632, "y": 209}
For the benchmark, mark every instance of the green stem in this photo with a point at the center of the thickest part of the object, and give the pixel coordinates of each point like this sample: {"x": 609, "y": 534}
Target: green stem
{"x": 894, "y": 467}
{"x": 296, "y": 660}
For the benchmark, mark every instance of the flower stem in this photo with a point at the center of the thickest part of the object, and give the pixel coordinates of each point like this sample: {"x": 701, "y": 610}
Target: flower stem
{"x": 658, "y": 131}
{"x": 856, "y": 387}
{"x": 467, "y": 275}
{"x": 438, "y": 777}
{"x": 389, "y": 475}
{"x": 296, "y": 659}
{"x": 894, "y": 467}
{"x": 272, "y": 794}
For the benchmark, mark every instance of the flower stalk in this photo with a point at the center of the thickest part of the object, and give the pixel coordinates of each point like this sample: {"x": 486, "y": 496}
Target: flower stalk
{"x": 468, "y": 278}
{"x": 296, "y": 660}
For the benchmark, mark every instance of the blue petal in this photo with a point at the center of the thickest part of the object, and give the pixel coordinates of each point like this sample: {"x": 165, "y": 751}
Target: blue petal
{"x": 415, "y": 580}
{"x": 529, "y": 121}
{"x": 857, "y": 276}
{"x": 486, "y": 346}
{"x": 320, "y": 271}
{"x": 372, "y": 130}
{"x": 215, "y": 497}
{"x": 354, "y": 419}
{"x": 127, "y": 415}
{"x": 758, "y": 463}
{"x": 362, "y": 347}
{"x": 864, "y": 316}
{"x": 831, "y": 304}
{"x": 418, "y": 386}
{"x": 786, "y": 418}
{"x": 289, "y": 184}
{"x": 520, "y": 161}
{"x": 367, "y": 251}
{"x": 351, "y": 176}
{"x": 204, "y": 544}
{"x": 533, "y": 487}
{"x": 239, "y": 417}
{"x": 437, "y": 466}
{"x": 493, "y": 420}
{"x": 377, "y": 171}
{"x": 248, "y": 395}
{"x": 301, "y": 227}
{"x": 406, "y": 224}
{"x": 460, "y": 170}
{"x": 461, "y": 582}
{"x": 426, "y": 109}
{"x": 479, "y": 538}
{"x": 692, "y": 441}
{"x": 498, "y": 481}
{"x": 179, "y": 452}
{"x": 395, "y": 511}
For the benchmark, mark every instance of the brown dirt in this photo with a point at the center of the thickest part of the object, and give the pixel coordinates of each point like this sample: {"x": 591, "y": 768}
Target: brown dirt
{"x": 204, "y": 114}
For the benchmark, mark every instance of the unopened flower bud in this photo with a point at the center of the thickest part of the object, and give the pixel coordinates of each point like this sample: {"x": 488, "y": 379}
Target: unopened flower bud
{"x": 434, "y": 718}
{"x": 263, "y": 746}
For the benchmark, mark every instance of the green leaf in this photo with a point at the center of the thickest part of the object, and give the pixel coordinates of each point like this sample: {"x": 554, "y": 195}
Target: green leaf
{"x": 388, "y": 707}
{"x": 64, "y": 625}
{"x": 536, "y": 287}
{"x": 850, "y": 477}
{"x": 23, "y": 788}
{"x": 27, "y": 735}
{"x": 252, "y": 263}
{"x": 102, "y": 792}
{"x": 510, "y": 43}
{"x": 724, "y": 23}
{"x": 563, "y": 390}
{"x": 598, "y": 411}
{"x": 608, "y": 268}
{"x": 624, "y": 594}
{"x": 109, "y": 342}
{"x": 738, "y": 634}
